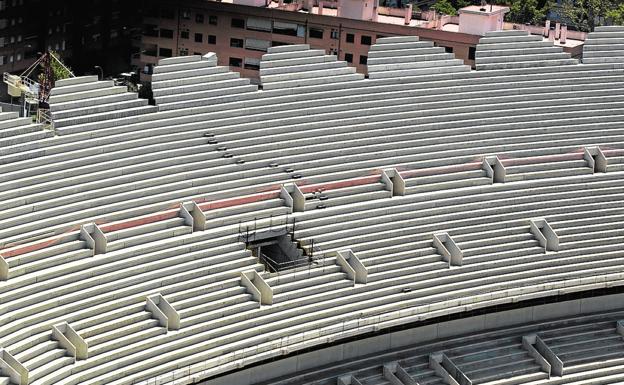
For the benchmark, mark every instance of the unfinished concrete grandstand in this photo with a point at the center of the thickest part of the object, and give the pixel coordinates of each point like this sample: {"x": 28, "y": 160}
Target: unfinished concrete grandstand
{"x": 229, "y": 226}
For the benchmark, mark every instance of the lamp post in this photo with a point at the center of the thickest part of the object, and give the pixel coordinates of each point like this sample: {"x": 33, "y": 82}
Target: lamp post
{"x": 101, "y": 72}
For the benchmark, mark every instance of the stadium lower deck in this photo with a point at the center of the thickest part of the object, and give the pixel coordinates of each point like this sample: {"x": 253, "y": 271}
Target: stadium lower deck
{"x": 228, "y": 225}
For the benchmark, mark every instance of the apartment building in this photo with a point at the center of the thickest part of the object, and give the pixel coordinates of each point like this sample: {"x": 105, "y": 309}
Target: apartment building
{"x": 240, "y": 34}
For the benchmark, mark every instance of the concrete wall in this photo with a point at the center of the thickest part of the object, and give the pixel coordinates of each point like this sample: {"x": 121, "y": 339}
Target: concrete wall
{"x": 419, "y": 335}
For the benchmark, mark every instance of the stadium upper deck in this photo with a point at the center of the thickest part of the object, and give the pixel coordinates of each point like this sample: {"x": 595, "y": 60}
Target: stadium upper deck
{"x": 129, "y": 236}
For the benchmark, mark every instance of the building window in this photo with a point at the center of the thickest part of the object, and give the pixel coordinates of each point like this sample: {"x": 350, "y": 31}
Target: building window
{"x": 448, "y": 49}
{"x": 199, "y": 38}
{"x": 472, "y": 53}
{"x": 238, "y": 23}
{"x": 183, "y": 51}
{"x": 316, "y": 33}
{"x": 236, "y": 43}
{"x": 166, "y": 33}
{"x": 349, "y": 57}
{"x": 199, "y": 18}
{"x": 236, "y": 62}
{"x": 212, "y": 20}
{"x": 167, "y": 14}
{"x": 350, "y": 38}
{"x": 363, "y": 59}
{"x": 334, "y": 34}
{"x": 365, "y": 40}
{"x": 252, "y": 64}
{"x": 184, "y": 34}
{"x": 212, "y": 39}
{"x": 185, "y": 14}
{"x": 165, "y": 52}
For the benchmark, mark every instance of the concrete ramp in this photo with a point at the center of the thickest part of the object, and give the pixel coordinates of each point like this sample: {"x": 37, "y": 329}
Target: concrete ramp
{"x": 500, "y": 50}
{"x": 604, "y": 45}
{"x": 293, "y": 66}
{"x": 402, "y": 56}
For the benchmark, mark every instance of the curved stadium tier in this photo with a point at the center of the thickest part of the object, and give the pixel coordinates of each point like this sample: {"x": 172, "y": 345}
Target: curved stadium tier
{"x": 233, "y": 226}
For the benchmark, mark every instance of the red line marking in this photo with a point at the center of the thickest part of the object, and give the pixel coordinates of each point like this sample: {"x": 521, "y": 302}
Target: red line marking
{"x": 543, "y": 159}
{"x": 140, "y": 221}
{"x": 441, "y": 170}
{"x": 223, "y": 203}
{"x": 340, "y": 184}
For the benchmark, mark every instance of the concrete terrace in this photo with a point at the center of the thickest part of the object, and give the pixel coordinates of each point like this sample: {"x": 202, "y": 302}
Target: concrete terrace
{"x": 425, "y": 190}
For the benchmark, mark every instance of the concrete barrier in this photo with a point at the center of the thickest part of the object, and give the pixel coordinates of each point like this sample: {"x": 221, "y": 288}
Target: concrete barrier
{"x": 499, "y": 171}
{"x": 4, "y": 269}
{"x": 298, "y": 199}
{"x": 85, "y": 235}
{"x": 348, "y": 380}
{"x": 13, "y": 368}
{"x": 287, "y": 197}
{"x": 435, "y": 363}
{"x": 251, "y": 288}
{"x": 152, "y": 307}
{"x": 360, "y": 272}
{"x": 159, "y": 306}
{"x": 70, "y": 340}
{"x": 386, "y": 179}
{"x": 555, "y": 362}
{"x": 454, "y": 371}
{"x": 404, "y": 376}
{"x": 449, "y": 250}
{"x": 527, "y": 344}
{"x": 619, "y": 327}
{"x": 545, "y": 234}
{"x": 595, "y": 158}
{"x": 199, "y": 218}
{"x": 257, "y": 286}
{"x": 389, "y": 371}
{"x": 185, "y": 212}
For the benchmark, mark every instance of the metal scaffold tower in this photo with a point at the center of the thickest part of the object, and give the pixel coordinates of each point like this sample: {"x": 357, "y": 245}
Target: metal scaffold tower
{"x": 34, "y": 94}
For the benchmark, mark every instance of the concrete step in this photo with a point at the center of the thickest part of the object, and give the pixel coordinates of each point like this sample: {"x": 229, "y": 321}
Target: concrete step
{"x": 105, "y": 116}
{"x": 210, "y": 82}
{"x": 81, "y": 87}
{"x": 179, "y": 60}
{"x": 136, "y": 336}
{"x": 75, "y": 80}
{"x": 268, "y": 57}
{"x": 111, "y": 326}
{"x": 289, "y": 48}
{"x": 49, "y": 367}
{"x": 181, "y": 67}
{"x": 149, "y": 237}
{"x": 122, "y": 331}
{"x": 94, "y": 102}
{"x": 193, "y": 77}
{"x": 400, "y": 45}
{"x": 100, "y": 108}
{"x": 96, "y": 93}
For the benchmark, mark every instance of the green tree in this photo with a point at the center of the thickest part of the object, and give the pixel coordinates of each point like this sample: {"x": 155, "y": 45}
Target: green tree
{"x": 445, "y": 7}
{"x": 585, "y": 15}
{"x": 616, "y": 15}
{"x": 526, "y": 11}
{"x": 59, "y": 70}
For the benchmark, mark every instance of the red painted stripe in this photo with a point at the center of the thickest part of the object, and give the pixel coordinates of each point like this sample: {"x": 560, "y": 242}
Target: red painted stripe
{"x": 29, "y": 248}
{"x": 441, "y": 170}
{"x": 340, "y": 184}
{"x": 230, "y": 202}
{"x": 140, "y": 221}
{"x": 542, "y": 159}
